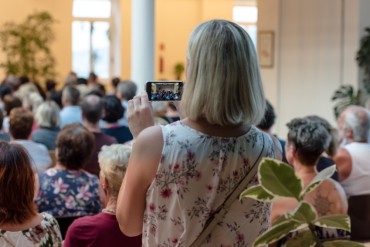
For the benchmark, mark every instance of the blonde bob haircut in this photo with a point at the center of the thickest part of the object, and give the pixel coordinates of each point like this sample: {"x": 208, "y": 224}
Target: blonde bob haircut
{"x": 113, "y": 162}
{"x": 223, "y": 83}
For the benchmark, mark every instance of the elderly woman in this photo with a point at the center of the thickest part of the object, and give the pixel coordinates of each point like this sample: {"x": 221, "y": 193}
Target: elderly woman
{"x": 103, "y": 228}
{"x": 20, "y": 224}
{"x": 307, "y": 140}
{"x": 48, "y": 120}
{"x": 66, "y": 189}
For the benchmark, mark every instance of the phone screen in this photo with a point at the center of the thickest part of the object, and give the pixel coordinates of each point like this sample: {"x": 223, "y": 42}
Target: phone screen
{"x": 164, "y": 90}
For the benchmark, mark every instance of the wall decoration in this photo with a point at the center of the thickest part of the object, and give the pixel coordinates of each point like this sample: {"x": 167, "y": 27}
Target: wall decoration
{"x": 266, "y": 49}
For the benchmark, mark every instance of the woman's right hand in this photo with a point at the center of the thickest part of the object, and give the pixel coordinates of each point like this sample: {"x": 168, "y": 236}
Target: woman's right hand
{"x": 139, "y": 114}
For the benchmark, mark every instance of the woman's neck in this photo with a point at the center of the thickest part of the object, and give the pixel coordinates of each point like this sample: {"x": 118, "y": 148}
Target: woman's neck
{"x": 306, "y": 173}
{"x": 110, "y": 208}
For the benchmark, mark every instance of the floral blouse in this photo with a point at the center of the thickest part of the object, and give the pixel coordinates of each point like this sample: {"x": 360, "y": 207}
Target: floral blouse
{"x": 195, "y": 175}
{"x": 46, "y": 234}
{"x": 68, "y": 193}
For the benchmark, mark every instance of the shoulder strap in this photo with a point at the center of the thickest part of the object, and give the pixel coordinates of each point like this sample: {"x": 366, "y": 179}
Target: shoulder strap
{"x": 222, "y": 210}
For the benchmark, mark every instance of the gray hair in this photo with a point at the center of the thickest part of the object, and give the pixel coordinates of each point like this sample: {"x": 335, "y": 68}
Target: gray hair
{"x": 71, "y": 95}
{"x": 356, "y": 118}
{"x": 223, "y": 79}
{"x": 113, "y": 162}
{"x": 47, "y": 115}
{"x": 127, "y": 89}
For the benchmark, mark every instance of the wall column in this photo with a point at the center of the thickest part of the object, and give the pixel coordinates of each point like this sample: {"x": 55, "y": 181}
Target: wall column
{"x": 142, "y": 42}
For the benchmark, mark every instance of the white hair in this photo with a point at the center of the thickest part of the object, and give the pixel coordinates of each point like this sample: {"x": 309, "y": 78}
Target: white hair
{"x": 47, "y": 115}
{"x": 357, "y": 119}
{"x": 113, "y": 162}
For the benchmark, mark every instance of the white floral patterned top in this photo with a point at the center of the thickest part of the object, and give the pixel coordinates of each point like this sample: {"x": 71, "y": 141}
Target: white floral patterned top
{"x": 196, "y": 174}
{"x": 46, "y": 234}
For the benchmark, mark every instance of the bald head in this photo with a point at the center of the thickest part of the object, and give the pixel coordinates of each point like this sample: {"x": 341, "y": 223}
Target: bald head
{"x": 354, "y": 124}
{"x": 92, "y": 108}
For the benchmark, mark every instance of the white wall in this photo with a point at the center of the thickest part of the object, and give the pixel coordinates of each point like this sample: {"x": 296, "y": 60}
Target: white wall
{"x": 315, "y": 46}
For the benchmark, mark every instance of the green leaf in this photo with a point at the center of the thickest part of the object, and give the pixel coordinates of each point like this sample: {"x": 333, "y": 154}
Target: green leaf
{"x": 303, "y": 239}
{"x": 279, "y": 179}
{"x": 258, "y": 193}
{"x": 342, "y": 243}
{"x": 324, "y": 174}
{"x": 277, "y": 232}
{"x": 334, "y": 221}
{"x": 284, "y": 217}
{"x": 304, "y": 212}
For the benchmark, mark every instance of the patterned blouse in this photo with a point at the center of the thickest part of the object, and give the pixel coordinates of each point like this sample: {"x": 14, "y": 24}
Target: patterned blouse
{"x": 46, "y": 234}
{"x": 195, "y": 175}
{"x": 68, "y": 193}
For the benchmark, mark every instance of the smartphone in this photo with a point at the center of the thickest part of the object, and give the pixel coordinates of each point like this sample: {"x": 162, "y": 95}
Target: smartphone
{"x": 164, "y": 90}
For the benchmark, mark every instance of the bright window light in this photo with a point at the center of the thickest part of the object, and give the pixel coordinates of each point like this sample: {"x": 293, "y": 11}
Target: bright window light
{"x": 246, "y": 14}
{"x": 92, "y": 8}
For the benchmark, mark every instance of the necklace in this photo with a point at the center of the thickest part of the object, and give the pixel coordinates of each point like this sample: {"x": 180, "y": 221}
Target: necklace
{"x": 109, "y": 211}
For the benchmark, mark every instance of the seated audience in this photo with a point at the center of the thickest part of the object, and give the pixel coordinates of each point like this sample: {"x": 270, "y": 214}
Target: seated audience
{"x": 352, "y": 158}
{"x": 20, "y": 224}
{"x": 113, "y": 111}
{"x": 307, "y": 140}
{"x": 103, "y": 228}
{"x": 10, "y": 102}
{"x": 66, "y": 189}
{"x": 326, "y": 159}
{"x": 3, "y": 136}
{"x": 48, "y": 120}
{"x": 126, "y": 90}
{"x": 266, "y": 125}
{"x": 92, "y": 112}
{"x": 20, "y": 128}
{"x": 71, "y": 112}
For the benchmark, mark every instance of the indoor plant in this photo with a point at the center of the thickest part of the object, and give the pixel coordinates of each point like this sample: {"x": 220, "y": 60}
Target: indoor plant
{"x": 276, "y": 180}
{"x": 26, "y": 46}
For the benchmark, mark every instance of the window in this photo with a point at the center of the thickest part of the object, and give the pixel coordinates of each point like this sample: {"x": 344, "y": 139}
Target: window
{"x": 246, "y": 14}
{"x": 91, "y": 37}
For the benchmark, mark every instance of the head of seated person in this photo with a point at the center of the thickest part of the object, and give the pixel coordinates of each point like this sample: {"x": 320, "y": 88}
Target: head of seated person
{"x": 47, "y": 115}
{"x": 20, "y": 123}
{"x": 113, "y": 109}
{"x": 18, "y": 213}
{"x": 73, "y": 146}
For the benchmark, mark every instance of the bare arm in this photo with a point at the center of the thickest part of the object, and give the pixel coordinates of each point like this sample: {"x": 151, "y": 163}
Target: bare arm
{"x": 142, "y": 166}
{"x": 344, "y": 163}
{"x": 141, "y": 170}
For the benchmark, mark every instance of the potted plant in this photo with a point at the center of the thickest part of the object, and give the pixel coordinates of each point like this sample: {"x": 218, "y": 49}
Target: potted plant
{"x": 179, "y": 69}
{"x": 276, "y": 180}
{"x": 346, "y": 94}
{"x": 26, "y": 46}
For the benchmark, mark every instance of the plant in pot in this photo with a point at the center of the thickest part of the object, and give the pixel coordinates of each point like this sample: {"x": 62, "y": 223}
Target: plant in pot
{"x": 179, "y": 69}
{"x": 346, "y": 94}
{"x": 276, "y": 180}
{"x": 26, "y": 46}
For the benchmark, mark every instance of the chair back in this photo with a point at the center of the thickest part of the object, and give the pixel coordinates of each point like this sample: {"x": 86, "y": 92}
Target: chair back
{"x": 52, "y": 157}
{"x": 64, "y": 223}
{"x": 359, "y": 212}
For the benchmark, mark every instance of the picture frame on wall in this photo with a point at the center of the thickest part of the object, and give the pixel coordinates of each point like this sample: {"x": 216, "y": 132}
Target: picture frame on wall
{"x": 266, "y": 49}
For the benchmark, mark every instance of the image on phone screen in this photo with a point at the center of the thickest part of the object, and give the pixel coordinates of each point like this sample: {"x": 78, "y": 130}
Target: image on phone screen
{"x": 164, "y": 90}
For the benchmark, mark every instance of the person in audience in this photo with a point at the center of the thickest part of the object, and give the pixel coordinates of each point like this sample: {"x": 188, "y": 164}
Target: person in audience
{"x": 179, "y": 174}
{"x": 66, "y": 189}
{"x": 71, "y": 112}
{"x": 3, "y": 136}
{"x": 99, "y": 229}
{"x": 267, "y": 122}
{"x": 93, "y": 84}
{"x": 172, "y": 114}
{"x": 20, "y": 128}
{"x": 20, "y": 224}
{"x": 126, "y": 90}
{"x": 92, "y": 111}
{"x": 5, "y": 89}
{"x": 10, "y": 102}
{"x": 307, "y": 140}
{"x": 352, "y": 158}
{"x": 326, "y": 159}
{"x": 114, "y": 83}
{"x": 48, "y": 119}
{"x": 113, "y": 111}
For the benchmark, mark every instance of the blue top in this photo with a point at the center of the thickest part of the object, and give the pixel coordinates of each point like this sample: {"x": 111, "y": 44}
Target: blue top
{"x": 70, "y": 115}
{"x": 121, "y": 133}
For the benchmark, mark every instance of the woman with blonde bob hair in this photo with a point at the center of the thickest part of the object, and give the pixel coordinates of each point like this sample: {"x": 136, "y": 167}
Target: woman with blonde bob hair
{"x": 180, "y": 174}
{"x": 100, "y": 229}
